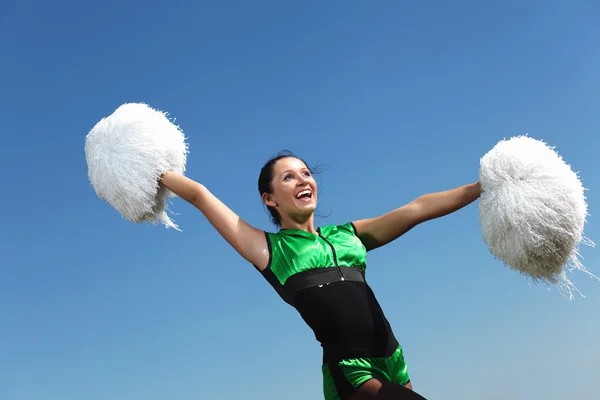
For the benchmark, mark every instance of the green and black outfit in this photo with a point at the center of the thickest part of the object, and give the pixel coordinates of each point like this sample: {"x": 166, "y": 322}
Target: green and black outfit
{"x": 323, "y": 277}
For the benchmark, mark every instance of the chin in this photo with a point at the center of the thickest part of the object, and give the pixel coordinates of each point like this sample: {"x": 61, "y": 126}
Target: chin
{"x": 309, "y": 206}
{"x": 310, "y": 210}
{"x": 306, "y": 209}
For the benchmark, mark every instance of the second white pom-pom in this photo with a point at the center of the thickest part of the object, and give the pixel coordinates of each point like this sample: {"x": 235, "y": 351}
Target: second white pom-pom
{"x": 532, "y": 210}
{"x": 126, "y": 154}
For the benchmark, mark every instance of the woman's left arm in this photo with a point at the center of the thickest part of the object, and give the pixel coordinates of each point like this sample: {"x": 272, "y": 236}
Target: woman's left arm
{"x": 379, "y": 231}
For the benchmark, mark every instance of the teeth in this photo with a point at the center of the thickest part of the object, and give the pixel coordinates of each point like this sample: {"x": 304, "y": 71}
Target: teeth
{"x": 303, "y": 193}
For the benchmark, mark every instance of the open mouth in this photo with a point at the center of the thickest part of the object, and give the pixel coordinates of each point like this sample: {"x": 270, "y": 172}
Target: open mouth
{"x": 305, "y": 195}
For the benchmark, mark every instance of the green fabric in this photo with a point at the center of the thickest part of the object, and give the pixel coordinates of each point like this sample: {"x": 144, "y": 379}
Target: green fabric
{"x": 294, "y": 251}
{"x": 359, "y": 370}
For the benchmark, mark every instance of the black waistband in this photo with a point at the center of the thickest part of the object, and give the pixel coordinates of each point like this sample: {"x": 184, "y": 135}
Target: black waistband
{"x": 323, "y": 276}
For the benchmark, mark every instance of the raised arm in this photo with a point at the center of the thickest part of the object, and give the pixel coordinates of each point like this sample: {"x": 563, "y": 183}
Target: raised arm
{"x": 379, "y": 231}
{"x": 248, "y": 241}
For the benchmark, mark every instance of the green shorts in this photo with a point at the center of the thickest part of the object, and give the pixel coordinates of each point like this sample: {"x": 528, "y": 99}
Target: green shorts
{"x": 340, "y": 380}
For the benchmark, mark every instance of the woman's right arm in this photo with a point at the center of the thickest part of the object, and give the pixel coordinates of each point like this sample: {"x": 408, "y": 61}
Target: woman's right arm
{"x": 248, "y": 241}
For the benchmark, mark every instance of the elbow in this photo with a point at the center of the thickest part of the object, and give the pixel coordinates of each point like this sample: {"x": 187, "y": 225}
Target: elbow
{"x": 418, "y": 206}
{"x": 421, "y": 210}
{"x": 194, "y": 193}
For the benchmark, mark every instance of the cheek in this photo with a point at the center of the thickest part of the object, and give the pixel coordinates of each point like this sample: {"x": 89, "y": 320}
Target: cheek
{"x": 283, "y": 192}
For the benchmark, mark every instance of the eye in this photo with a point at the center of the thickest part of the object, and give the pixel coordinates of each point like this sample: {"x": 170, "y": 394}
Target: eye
{"x": 287, "y": 177}
{"x": 307, "y": 173}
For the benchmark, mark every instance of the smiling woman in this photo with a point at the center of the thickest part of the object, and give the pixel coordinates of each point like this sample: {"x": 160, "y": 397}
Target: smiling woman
{"x": 286, "y": 184}
{"x": 321, "y": 271}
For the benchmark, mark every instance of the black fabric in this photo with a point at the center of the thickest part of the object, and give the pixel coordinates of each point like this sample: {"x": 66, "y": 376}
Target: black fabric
{"x": 322, "y": 276}
{"x": 347, "y": 320}
{"x": 273, "y": 281}
{"x": 312, "y": 278}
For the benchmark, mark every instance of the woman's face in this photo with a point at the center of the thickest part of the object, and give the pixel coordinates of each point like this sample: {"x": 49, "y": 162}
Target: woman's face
{"x": 294, "y": 189}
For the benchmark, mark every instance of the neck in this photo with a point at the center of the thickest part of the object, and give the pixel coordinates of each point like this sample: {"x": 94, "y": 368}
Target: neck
{"x": 304, "y": 224}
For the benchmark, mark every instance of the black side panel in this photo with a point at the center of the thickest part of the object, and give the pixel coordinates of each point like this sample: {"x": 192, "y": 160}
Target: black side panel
{"x": 272, "y": 279}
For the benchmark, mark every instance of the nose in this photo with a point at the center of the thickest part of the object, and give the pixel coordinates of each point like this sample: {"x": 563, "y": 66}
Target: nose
{"x": 302, "y": 180}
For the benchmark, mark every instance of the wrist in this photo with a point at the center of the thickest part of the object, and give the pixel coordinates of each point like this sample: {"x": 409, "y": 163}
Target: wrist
{"x": 476, "y": 189}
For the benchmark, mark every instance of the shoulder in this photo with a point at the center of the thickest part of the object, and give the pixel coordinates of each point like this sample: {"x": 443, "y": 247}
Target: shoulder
{"x": 349, "y": 227}
{"x": 345, "y": 228}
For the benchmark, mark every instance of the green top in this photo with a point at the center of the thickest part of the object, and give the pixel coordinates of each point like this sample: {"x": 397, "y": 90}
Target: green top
{"x": 323, "y": 277}
{"x": 294, "y": 251}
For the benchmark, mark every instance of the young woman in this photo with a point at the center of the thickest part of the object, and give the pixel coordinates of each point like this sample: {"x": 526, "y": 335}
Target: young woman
{"x": 321, "y": 271}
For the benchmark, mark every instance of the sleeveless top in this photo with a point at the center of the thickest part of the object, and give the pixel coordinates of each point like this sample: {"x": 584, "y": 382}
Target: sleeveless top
{"x": 323, "y": 277}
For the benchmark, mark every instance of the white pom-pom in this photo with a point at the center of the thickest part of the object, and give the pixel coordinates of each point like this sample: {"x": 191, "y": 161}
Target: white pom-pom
{"x": 532, "y": 210}
{"x": 127, "y": 152}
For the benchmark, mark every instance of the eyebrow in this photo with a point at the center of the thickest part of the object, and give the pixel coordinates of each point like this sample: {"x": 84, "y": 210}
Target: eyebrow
{"x": 291, "y": 170}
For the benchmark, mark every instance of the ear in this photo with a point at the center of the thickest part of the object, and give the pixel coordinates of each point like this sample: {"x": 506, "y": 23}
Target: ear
{"x": 268, "y": 200}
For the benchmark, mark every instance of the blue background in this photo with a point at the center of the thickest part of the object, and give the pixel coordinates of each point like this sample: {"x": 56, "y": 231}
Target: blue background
{"x": 396, "y": 98}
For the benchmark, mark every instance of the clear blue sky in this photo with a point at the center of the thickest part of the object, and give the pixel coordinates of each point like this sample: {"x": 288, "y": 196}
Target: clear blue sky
{"x": 396, "y": 98}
